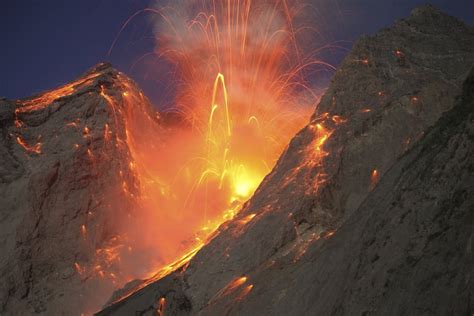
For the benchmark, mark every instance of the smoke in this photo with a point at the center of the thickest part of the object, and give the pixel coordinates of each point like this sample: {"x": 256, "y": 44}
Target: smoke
{"x": 252, "y": 43}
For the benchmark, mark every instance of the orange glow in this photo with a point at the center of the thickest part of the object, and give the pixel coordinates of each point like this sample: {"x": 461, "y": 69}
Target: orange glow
{"x": 241, "y": 97}
{"x": 18, "y": 123}
{"x": 229, "y": 288}
{"x": 374, "y": 178}
{"x": 399, "y": 53}
{"x": 324, "y": 135}
{"x": 374, "y": 173}
{"x": 329, "y": 234}
{"x": 160, "y": 311}
{"x": 244, "y": 292}
{"x": 83, "y": 231}
{"x": 234, "y": 284}
{"x": 338, "y": 119}
{"x": 107, "y": 132}
{"x": 181, "y": 262}
{"x": 49, "y": 97}
{"x": 32, "y": 149}
{"x": 246, "y": 219}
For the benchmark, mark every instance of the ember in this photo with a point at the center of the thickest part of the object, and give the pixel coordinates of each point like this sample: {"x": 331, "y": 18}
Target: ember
{"x": 244, "y": 292}
{"x": 160, "y": 311}
{"x": 229, "y": 288}
{"x": 32, "y": 149}
{"x": 374, "y": 178}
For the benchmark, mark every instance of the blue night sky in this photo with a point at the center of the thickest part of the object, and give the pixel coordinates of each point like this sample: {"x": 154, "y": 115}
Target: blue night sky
{"x": 46, "y": 43}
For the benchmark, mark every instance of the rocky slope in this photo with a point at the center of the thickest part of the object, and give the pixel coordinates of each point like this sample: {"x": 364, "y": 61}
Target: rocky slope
{"x": 406, "y": 250}
{"x": 65, "y": 187}
{"x": 354, "y": 218}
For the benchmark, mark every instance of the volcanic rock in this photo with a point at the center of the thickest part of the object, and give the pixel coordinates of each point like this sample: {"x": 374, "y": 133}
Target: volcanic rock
{"x": 369, "y": 209}
{"x": 63, "y": 163}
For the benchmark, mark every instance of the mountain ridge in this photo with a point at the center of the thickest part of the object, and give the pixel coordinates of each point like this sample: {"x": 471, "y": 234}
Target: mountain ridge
{"x": 64, "y": 160}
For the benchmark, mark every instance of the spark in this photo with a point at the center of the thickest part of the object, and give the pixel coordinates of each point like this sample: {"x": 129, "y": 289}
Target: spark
{"x": 399, "y": 53}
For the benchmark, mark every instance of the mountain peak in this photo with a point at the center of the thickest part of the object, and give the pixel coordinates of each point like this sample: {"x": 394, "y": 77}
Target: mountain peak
{"x": 64, "y": 163}
{"x": 428, "y": 17}
{"x": 100, "y": 67}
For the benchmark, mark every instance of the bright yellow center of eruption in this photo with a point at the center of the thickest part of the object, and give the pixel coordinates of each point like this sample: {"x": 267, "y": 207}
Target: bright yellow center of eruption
{"x": 243, "y": 181}
{"x": 243, "y": 187}
{"x": 241, "y": 96}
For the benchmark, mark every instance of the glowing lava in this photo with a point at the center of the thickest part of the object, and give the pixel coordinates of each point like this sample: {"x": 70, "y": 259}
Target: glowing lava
{"x": 241, "y": 96}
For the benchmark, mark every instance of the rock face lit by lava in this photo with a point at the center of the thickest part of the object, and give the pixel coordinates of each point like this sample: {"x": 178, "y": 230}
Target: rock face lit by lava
{"x": 331, "y": 230}
{"x": 67, "y": 190}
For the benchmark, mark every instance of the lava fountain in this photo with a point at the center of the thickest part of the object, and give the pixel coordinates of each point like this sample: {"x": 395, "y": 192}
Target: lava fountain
{"x": 241, "y": 95}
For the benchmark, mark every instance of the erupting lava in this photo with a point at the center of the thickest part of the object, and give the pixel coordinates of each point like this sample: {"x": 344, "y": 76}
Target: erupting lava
{"x": 241, "y": 96}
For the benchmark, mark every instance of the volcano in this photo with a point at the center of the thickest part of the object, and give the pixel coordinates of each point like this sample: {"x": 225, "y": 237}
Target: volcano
{"x": 367, "y": 211}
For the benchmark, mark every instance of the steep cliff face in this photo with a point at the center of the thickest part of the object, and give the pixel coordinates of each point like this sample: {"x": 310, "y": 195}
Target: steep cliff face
{"x": 65, "y": 189}
{"x": 321, "y": 234}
